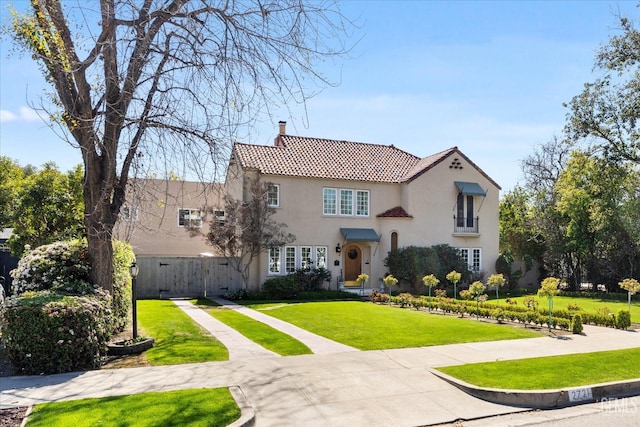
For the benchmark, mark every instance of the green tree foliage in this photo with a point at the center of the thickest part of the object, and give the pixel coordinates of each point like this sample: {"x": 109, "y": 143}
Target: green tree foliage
{"x": 607, "y": 111}
{"x": 47, "y": 207}
{"x": 11, "y": 176}
{"x": 518, "y": 235}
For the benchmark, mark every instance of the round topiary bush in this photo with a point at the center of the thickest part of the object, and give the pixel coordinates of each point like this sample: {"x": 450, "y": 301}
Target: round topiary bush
{"x": 45, "y": 332}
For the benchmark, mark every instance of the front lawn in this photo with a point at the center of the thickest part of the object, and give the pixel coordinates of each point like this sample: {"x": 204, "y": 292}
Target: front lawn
{"x": 541, "y": 373}
{"x": 368, "y": 326}
{"x": 194, "y": 407}
{"x": 258, "y": 332}
{"x": 178, "y": 338}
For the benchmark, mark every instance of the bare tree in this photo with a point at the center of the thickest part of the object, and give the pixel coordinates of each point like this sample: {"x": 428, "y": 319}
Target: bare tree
{"x": 247, "y": 229}
{"x": 140, "y": 82}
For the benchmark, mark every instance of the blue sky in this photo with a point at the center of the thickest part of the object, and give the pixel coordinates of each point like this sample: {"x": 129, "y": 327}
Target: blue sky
{"x": 489, "y": 77}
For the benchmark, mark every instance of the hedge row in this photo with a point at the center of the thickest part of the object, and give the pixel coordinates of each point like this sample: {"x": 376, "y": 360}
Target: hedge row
{"x": 560, "y": 318}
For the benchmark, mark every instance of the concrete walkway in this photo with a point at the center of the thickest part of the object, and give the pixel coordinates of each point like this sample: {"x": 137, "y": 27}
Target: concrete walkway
{"x": 317, "y": 344}
{"x": 352, "y": 388}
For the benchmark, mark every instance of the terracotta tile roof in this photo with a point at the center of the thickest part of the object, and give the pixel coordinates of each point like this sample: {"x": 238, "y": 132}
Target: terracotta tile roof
{"x": 397, "y": 212}
{"x": 333, "y": 159}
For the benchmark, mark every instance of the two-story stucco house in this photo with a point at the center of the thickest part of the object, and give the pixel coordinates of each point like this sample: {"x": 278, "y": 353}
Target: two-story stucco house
{"x": 350, "y": 203}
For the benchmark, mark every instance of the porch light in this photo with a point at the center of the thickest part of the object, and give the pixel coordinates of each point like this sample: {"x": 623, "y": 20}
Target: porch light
{"x": 338, "y": 248}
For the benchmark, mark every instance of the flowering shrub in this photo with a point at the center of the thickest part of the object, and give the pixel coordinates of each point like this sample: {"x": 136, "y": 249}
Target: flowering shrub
{"x": 62, "y": 267}
{"x": 46, "y": 332}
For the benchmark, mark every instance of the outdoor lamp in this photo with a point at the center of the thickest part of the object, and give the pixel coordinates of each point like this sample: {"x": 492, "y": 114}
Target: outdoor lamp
{"x": 134, "y": 269}
{"x": 338, "y": 248}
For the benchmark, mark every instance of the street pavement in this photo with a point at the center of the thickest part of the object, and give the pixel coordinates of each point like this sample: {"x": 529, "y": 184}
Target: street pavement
{"x": 337, "y": 386}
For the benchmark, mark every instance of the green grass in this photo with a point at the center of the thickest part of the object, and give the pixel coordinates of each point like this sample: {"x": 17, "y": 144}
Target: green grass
{"x": 258, "y": 332}
{"x": 542, "y": 373}
{"x": 367, "y": 326}
{"x": 590, "y": 305}
{"x": 195, "y": 407}
{"x": 178, "y": 339}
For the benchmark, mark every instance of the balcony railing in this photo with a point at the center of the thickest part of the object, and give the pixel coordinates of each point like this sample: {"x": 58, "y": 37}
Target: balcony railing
{"x": 465, "y": 225}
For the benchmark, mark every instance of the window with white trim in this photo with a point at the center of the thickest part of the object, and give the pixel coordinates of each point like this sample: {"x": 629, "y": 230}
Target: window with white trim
{"x": 290, "y": 259}
{"x": 274, "y": 260}
{"x": 345, "y": 202}
{"x": 362, "y": 203}
{"x": 321, "y": 256}
{"x": 273, "y": 195}
{"x": 329, "y": 202}
{"x": 472, "y": 257}
{"x": 189, "y": 218}
{"x": 305, "y": 257}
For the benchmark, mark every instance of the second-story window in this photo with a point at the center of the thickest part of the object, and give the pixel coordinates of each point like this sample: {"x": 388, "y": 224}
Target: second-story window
{"x": 189, "y": 218}
{"x": 273, "y": 195}
{"x": 345, "y": 202}
{"x": 329, "y": 202}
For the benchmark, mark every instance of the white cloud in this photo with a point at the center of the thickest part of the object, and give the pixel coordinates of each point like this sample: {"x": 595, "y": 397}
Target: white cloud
{"x": 24, "y": 114}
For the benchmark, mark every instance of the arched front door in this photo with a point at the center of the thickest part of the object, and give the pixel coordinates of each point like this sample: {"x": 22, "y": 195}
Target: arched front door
{"x": 352, "y": 262}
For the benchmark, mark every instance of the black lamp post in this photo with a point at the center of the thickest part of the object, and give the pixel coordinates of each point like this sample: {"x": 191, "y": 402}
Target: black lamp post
{"x": 134, "y": 270}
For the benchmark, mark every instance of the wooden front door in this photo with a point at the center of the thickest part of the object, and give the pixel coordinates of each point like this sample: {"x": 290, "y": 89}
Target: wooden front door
{"x": 352, "y": 262}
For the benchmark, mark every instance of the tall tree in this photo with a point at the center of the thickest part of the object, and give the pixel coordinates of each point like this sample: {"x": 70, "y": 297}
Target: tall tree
{"x": 166, "y": 79}
{"x": 607, "y": 112}
{"x": 11, "y": 176}
{"x": 247, "y": 229}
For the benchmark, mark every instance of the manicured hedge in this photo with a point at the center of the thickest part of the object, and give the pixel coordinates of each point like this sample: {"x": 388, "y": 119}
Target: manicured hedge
{"x": 45, "y": 332}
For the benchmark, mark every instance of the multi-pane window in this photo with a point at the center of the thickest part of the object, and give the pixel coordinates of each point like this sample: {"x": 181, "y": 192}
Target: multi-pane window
{"x": 273, "y": 195}
{"x": 329, "y": 202}
{"x": 475, "y": 260}
{"x": 321, "y": 257}
{"x": 362, "y": 203}
{"x": 290, "y": 259}
{"x": 294, "y": 257}
{"x": 274, "y": 260}
{"x": 472, "y": 257}
{"x": 189, "y": 218}
{"x": 305, "y": 257}
{"x": 219, "y": 216}
{"x": 345, "y": 202}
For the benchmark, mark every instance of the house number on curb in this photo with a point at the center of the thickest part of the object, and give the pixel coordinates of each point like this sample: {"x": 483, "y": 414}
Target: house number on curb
{"x": 580, "y": 394}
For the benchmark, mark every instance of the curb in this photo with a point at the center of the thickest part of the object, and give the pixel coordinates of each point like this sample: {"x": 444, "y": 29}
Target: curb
{"x": 546, "y": 399}
{"x": 248, "y": 415}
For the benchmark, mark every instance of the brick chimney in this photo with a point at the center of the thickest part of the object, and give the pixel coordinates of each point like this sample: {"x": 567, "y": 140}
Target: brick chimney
{"x": 283, "y": 131}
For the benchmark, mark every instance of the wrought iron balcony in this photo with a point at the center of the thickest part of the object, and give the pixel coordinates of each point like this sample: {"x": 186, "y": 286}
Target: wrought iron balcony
{"x": 466, "y": 225}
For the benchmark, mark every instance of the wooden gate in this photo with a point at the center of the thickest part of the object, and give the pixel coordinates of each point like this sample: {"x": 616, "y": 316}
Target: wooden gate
{"x": 171, "y": 277}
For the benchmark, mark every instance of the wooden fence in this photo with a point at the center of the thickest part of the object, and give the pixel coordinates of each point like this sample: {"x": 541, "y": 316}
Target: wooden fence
{"x": 171, "y": 277}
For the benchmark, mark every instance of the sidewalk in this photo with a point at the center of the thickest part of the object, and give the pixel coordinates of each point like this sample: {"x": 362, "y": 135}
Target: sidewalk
{"x": 351, "y": 388}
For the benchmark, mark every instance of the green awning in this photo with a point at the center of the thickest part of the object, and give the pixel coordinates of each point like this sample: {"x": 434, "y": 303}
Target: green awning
{"x": 470, "y": 188}
{"x": 360, "y": 235}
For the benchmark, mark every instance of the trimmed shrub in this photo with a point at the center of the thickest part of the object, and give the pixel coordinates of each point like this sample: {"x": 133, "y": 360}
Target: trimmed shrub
{"x": 576, "y": 324}
{"x": 63, "y": 268}
{"x": 623, "y": 319}
{"x": 284, "y": 287}
{"x": 312, "y": 279}
{"x": 45, "y": 332}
